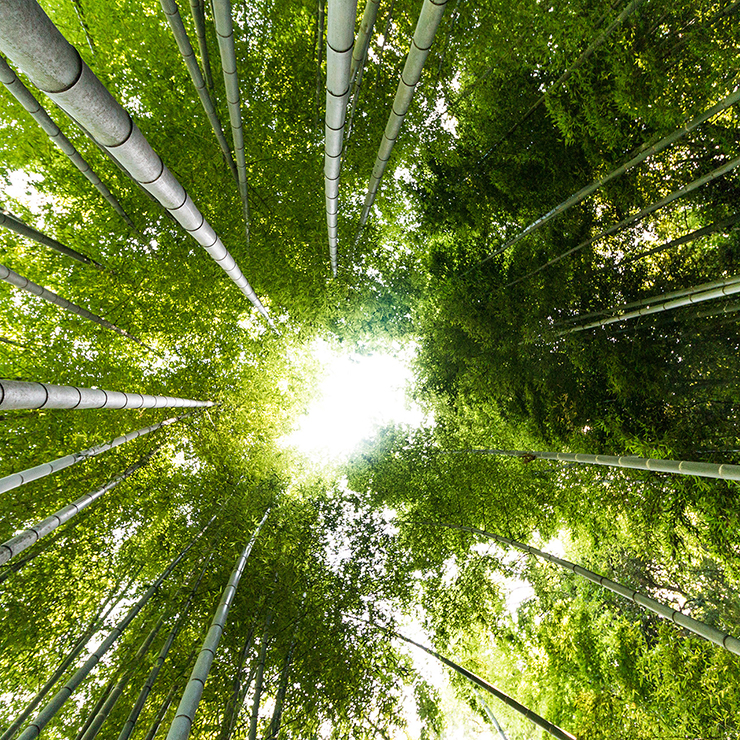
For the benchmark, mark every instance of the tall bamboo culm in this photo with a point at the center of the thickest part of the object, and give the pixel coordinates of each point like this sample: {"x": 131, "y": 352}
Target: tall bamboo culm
{"x": 729, "y": 643}
{"x": 14, "y": 480}
{"x": 197, "y": 10}
{"x": 340, "y": 38}
{"x": 35, "y": 45}
{"x": 24, "y": 96}
{"x": 9, "y": 221}
{"x": 12, "y": 277}
{"x": 426, "y": 27}
{"x": 185, "y": 714}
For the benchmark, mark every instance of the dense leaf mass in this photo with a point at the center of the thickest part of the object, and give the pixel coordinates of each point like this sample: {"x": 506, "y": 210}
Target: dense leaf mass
{"x": 513, "y": 289}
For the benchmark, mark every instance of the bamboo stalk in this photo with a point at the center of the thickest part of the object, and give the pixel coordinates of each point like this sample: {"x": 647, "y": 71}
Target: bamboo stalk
{"x": 643, "y": 153}
{"x": 14, "y": 480}
{"x": 15, "y": 224}
{"x": 15, "y": 545}
{"x": 680, "y": 193}
{"x": 319, "y": 54}
{"x": 273, "y": 732}
{"x": 33, "y": 43}
{"x": 259, "y": 679}
{"x": 225, "y": 35}
{"x": 185, "y": 714}
{"x": 421, "y": 43}
{"x": 492, "y": 717}
{"x": 12, "y": 277}
{"x": 230, "y": 710}
{"x": 697, "y": 295}
{"x": 60, "y": 698}
{"x": 23, "y": 95}
{"x": 197, "y": 9}
{"x": 339, "y": 46}
{"x": 186, "y": 50}
{"x": 729, "y": 643}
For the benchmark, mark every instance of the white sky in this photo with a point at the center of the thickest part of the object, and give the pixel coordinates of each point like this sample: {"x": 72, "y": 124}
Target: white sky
{"x": 357, "y": 394}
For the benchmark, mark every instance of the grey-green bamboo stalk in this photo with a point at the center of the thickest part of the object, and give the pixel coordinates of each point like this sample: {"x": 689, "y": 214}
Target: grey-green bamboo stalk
{"x": 24, "y": 96}
{"x": 259, "y": 679}
{"x": 185, "y": 714}
{"x": 14, "y": 480}
{"x": 35, "y": 45}
{"x": 60, "y": 698}
{"x": 9, "y": 221}
{"x": 491, "y": 716}
{"x": 277, "y": 715}
{"x": 15, "y": 545}
{"x": 186, "y": 50}
{"x": 426, "y": 27}
{"x": 12, "y": 277}
{"x": 230, "y": 711}
{"x": 225, "y": 35}
{"x": 729, "y": 643}
{"x": 340, "y": 36}
{"x": 197, "y": 10}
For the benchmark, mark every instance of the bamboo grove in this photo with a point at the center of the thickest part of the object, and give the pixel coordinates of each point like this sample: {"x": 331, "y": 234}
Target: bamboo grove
{"x": 539, "y": 198}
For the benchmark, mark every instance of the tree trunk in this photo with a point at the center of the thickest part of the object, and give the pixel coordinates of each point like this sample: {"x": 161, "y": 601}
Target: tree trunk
{"x": 12, "y": 277}
{"x": 23, "y": 95}
{"x": 14, "y": 480}
{"x": 28, "y": 37}
{"x": 15, "y": 224}
{"x": 185, "y": 714}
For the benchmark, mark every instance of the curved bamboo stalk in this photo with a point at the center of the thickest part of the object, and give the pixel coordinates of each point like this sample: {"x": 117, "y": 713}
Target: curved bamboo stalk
{"x": 33, "y": 43}
{"x": 340, "y": 37}
{"x": 186, "y": 50}
{"x": 729, "y": 643}
{"x": 643, "y": 153}
{"x": 723, "y": 471}
{"x": 225, "y": 35}
{"x": 185, "y": 714}
{"x": 12, "y": 277}
{"x": 15, "y": 224}
{"x": 14, "y": 480}
{"x": 197, "y": 10}
{"x": 15, "y": 545}
{"x": 131, "y": 720}
{"x": 60, "y": 698}
{"x": 17, "y": 394}
{"x": 697, "y": 295}
{"x": 426, "y": 27}
{"x": 23, "y": 95}
{"x": 680, "y": 193}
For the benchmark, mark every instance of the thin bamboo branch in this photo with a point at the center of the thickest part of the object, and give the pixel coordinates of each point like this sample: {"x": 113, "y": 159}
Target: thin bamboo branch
{"x": 421, "y": 43}
{"x": 185, "y": 714}
{"x": 197, "y": 9}
{"x": 225, "y": 35}
{"x": 630, "y": 220}
{"x": 15, "y": 545}
{"x": 15, "y": 224}
{"x": 339, "y": 46}
{"x": 12, "y": 277}
{"x": 34, "y": 44}
{"x": 186, "y": 50}
{"x": 23, "y": 95}
{"x": 14, "y": 480}
{"x": 680, "y": 619}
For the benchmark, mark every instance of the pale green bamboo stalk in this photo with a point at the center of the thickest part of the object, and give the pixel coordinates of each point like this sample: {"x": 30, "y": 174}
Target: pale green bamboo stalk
{"x": 9, "y": 221}
{"x": 15, "y": 545}
{"x": 230, "y": 709}
{"x": 104, "y": 694}
{"x": 35, "y": 45}
{"x": 259, "y": 679}
{"x": 133, "y": 717}
{"x": 340, "y": 38}
{"x": 421, "y": 43}
{"x": 185, "y": 714}
{"x": 711, "y": 634}
{"x": 23, "y": 95}
{"x": 542, "y": 723}
{"x": 197, "y": 10}
{"x": 60, "y": 698}
{"x": 319, "y": 55}
{"x": 697, "y": 295}
{"x": 186, "y": 50}
{"x": 643, "y": 153}
{"x": 681, "y": 467}
{"x": 676, "y": 194}
{"x": 14, "y": 480}
{"x": 225, "y": 35}
{"x": 12, "y": 277}
{"x": 491, "y": 716}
